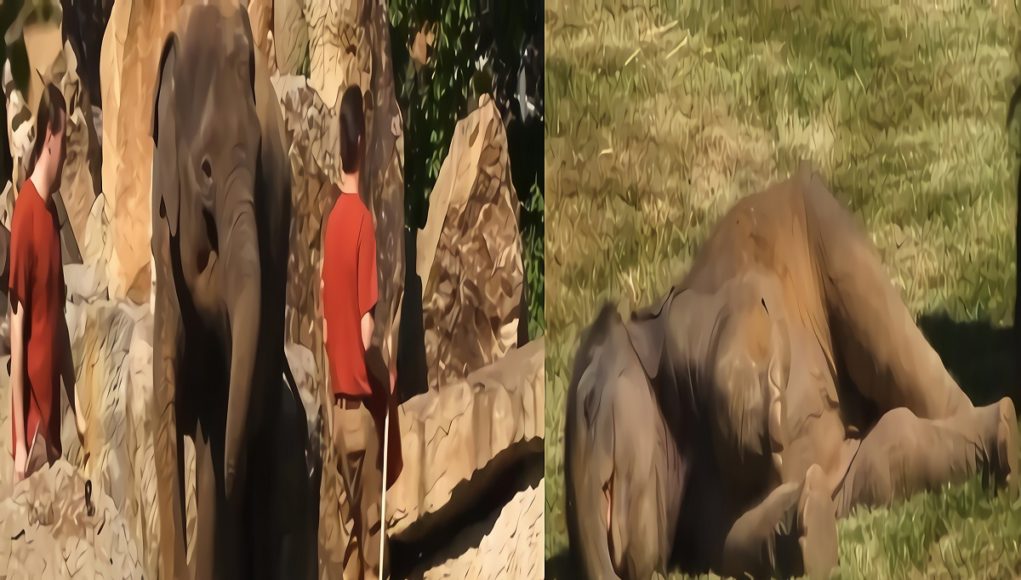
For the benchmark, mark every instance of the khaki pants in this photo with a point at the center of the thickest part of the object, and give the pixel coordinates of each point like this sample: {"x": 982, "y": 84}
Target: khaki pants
{"x": 357, "y": 446}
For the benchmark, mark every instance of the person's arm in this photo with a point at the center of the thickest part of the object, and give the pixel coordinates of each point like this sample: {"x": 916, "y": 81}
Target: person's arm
{"x": 18, "y": 388}
{"x": 19, "y": 290}
{"x": 368, "y": 294}
{"x": 368, "y": 325}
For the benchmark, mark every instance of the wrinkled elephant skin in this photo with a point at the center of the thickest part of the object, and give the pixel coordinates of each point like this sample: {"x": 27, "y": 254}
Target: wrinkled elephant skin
{"x": 780, "y": 384}
{"x": 221, "y": 213}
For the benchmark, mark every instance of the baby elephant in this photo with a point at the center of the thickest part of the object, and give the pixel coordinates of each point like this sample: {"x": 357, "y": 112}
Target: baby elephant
{"x": 782, "y": 383}
{"x": 221, "y": 218}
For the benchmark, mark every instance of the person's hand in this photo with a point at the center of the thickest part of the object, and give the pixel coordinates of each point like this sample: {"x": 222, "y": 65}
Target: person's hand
{"x": 20, "y": 461}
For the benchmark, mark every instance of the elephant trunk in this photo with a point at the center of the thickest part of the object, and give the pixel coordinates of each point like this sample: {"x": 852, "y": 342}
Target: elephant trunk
{"x": 242, "y": 285}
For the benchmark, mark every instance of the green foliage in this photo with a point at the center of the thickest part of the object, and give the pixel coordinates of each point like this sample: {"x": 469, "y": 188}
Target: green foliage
{"x": 434, "y": 96}
{"x": 663, "y": 113}
{"x": 534, "y": 239}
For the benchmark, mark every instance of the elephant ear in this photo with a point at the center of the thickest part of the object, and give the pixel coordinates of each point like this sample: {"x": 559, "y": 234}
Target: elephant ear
{"x": 166, "y": 189}
{"x": 647, "y": 332}
{"x": 246, "y": 32}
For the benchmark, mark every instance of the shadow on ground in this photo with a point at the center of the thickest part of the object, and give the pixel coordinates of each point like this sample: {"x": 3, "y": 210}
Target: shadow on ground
{"x": 981, "y": 357}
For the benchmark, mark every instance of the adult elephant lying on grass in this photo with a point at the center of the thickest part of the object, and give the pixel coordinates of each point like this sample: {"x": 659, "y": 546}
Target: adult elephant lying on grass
{"x": 780, "y": 384}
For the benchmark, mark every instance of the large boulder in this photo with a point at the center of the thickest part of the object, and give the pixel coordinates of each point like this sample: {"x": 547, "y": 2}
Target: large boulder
{"x": 469, "y": 253}
{"x": 460, "y": 441}
{"x": 6, "y": 443}
{"x": 95, "y": 249}
{"x": 260, "y": 15}
{"x": 290, "y": 36}
{"x": 339, "y": 45}
{"x": 311, "y": 131}
{"x": 80, "y": 181}
{"x": 20, "y": 128}
{"x": 130, "y": 55}
{"x": 111, "y": 343}
{"x": 383, "y": 181}
{"x": 506, "y": 544}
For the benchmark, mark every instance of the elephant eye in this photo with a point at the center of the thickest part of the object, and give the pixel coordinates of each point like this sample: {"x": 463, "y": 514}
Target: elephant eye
{"x": 207, "y": 169}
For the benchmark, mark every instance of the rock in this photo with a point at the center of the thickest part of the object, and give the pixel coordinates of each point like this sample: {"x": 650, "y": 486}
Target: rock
{"x": 69, "y": 251}
{"x": 95, "y": 246}
{"x": 7, "y": 205}
{"x": 47, "y": 530}
{"x": 383, "y": 182}
{"x": 6, "y": 443}
{"x": 111, "y": 344}
{"x": 130, "y": 55}
{"x": 290, "y": 36}
{"x": 507, "y": 544}
{"x": 305, "y": 123}
{"x": 20, "y": 129}
{"x": 338, "y": 46}
{"x": 101, "y": 336}
{"x": 80, "y": 181}
{"x": 84, "y": 282}
{"x": 459, "y": 441}
{"x": 78, "y": 186}
{"x": 469, "y": 253}
{"x": 260, "y": 14}
{"x": 43, "y": 44}
{"x": 84, "y": 22}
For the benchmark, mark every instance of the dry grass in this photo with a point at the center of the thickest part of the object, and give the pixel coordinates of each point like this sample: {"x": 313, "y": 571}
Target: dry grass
{"x": 662, "y": 113}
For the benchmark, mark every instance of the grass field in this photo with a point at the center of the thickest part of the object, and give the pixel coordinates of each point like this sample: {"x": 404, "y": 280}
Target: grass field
{"x": 662, "y": 113}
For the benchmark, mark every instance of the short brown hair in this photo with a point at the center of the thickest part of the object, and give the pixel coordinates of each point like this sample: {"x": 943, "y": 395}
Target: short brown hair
{"x": 50, "y": 116}
{"x": 352, "y": 128}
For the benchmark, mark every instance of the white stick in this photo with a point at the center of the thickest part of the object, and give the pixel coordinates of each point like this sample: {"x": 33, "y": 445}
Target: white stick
{"x": 382, "y": 508}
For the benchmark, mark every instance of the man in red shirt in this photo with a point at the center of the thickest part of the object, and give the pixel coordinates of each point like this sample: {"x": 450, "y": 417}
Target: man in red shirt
{"x": 361, "y": 397}
{"x": 40, "y": 352}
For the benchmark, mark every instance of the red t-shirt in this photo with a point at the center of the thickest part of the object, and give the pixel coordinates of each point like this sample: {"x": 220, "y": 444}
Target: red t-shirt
{"x": 37, "y": 282}
{"x": 350, "y": 290}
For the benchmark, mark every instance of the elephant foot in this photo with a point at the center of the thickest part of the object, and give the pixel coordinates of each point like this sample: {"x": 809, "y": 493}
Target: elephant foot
{"x": 1006, "y": 469}
{"x": 818, "y": 539}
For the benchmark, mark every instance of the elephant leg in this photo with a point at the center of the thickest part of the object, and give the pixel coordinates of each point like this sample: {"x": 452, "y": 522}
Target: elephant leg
{"x": 904, "y": 454}
{"x": 886, "y": 355}
{"x": 202, "y": 559}
{"x": 279, "y": 477}
{"x": 793, "y": 531}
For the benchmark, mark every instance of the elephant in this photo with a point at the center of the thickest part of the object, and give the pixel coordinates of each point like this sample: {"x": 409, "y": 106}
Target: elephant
{"x": 781, "y": 383}
{"x": 221, "y": 212}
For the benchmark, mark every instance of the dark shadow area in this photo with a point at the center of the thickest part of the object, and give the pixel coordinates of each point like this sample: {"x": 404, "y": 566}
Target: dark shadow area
{"x": 412, "y": 374}
{"x": 516, "y": 468}
{"x": 559, "y": 566}
{"x": 980, "y": 357}
{"x": 1012, "y": 106}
